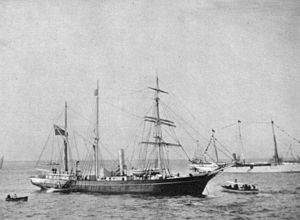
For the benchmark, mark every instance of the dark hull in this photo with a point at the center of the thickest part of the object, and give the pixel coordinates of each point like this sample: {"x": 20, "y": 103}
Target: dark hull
{"x": 173, "y": 186}
{"x": 17, "y": 199}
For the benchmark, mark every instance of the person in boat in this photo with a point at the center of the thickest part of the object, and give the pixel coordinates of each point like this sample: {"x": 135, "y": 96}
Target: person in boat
{"x": 8, "y": 196}
{"x": 235, "y": 186}
{"x": 54, "y": 170}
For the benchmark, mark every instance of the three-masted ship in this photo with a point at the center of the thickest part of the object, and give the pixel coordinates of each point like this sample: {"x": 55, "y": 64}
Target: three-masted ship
{"x": 151, "y": 177}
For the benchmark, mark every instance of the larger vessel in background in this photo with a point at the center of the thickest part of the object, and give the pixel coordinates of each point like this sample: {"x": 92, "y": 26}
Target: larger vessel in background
{"x": 275, "y": 165}
{"x": 152, "y": 176}
{"x": 203, "y": 163}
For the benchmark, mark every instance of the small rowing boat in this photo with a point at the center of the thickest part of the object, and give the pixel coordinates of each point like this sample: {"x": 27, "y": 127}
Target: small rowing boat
{"x": 242, "y": 188}
{"x": 16, "y": 199}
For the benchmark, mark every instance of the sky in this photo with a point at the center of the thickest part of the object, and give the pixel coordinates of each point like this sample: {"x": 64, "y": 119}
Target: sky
{"x": 220, "y": 60}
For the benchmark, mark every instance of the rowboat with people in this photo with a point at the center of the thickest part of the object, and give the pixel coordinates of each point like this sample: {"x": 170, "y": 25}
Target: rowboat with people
{"x": 15, "y": 198}
{"x": 238, "y": 187}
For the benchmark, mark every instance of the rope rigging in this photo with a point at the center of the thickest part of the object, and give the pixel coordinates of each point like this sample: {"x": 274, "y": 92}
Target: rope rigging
{"x": 185, "y": 123}
{"x": 290, "y": 136}
{"x": 123, "y": 110}
{"x": 226, "y": 152}
{"x": 188, "y": 110}
{"x": 80, "y": 115}
{"x": 44, "y": 147}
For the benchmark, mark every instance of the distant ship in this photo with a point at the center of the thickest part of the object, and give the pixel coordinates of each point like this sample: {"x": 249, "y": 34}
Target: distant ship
{"x": 153, "y": 176}
{"x": 201, "y": 164}
{"x": 275, "y": 165}
{"x": 1, "y": 162}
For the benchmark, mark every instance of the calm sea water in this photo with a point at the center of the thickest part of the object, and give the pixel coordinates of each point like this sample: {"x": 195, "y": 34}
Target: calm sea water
{"x": 279, "y": 199}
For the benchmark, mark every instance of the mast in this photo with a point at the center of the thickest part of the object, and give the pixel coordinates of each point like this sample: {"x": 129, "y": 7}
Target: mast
{"x": 197, "y": 152}
{"x": 158, "y": 135}
{"x": 241, "y": 141}
{"x": 276, "y": 157}
{"x": 97, "y": 131}
{"x": 66, "y": 142}
{"x": 214, "y": 143}
{"x": 158, "y": 139}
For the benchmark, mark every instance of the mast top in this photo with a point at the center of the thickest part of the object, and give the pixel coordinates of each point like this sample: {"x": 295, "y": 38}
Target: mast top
{"x": 159, "y": 121}
{"x": 157, "y": 87}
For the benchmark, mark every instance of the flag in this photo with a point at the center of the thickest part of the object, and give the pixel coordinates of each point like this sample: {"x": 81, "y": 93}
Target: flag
{"x": 96, "y": 92}
{"x": 94, "y": 147}
{"x": 59, "y": 131}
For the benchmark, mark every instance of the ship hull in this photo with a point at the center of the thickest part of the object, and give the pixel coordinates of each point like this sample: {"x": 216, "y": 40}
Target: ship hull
{"x": 271, "y": 168}
{"x": 204, "y": 167}
{"x": 53, "y": 180}
{"x": 48, "y": 183}
{"x": 191, "y": 185}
